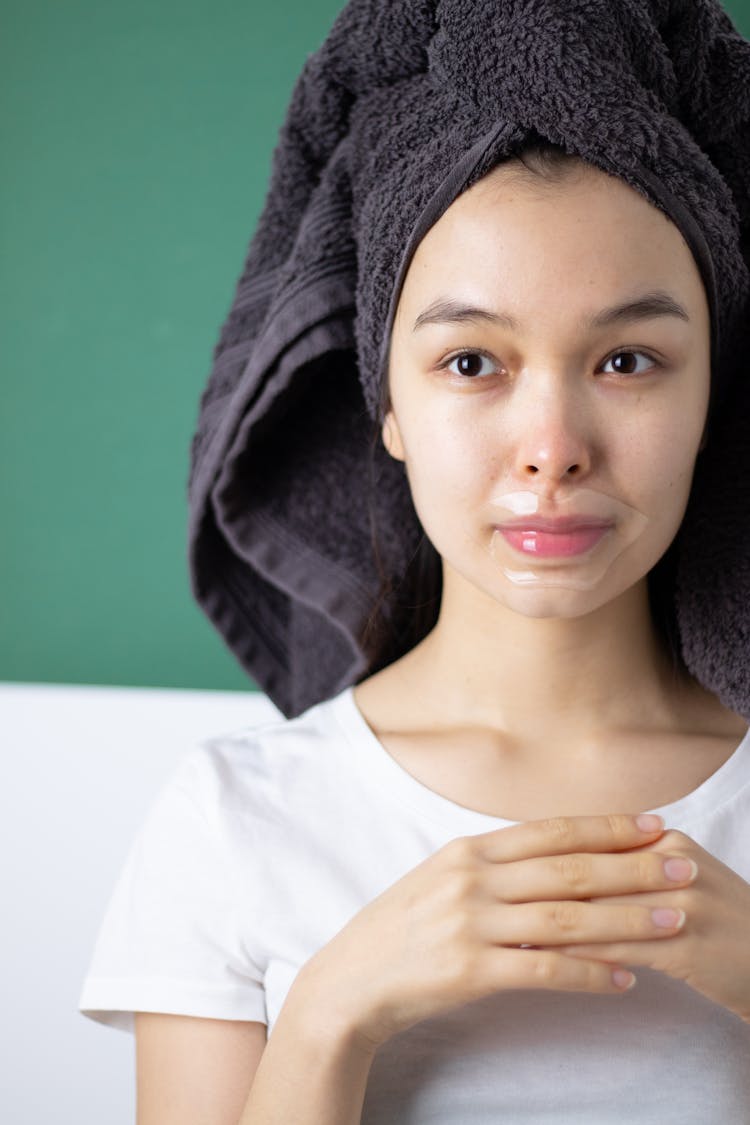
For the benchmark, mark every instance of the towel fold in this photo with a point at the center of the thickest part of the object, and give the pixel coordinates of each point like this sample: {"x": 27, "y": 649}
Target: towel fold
{"x": 299, "y": 520}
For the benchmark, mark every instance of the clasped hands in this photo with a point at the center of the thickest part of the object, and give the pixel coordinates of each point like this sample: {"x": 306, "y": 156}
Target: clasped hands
{"x": 710, "y": 950}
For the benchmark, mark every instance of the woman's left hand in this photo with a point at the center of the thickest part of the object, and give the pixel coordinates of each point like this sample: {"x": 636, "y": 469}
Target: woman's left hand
{"x": 711, "y": 952}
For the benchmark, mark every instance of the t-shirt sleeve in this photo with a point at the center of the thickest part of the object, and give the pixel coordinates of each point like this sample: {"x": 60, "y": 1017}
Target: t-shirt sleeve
{"x": 170, "y": 939}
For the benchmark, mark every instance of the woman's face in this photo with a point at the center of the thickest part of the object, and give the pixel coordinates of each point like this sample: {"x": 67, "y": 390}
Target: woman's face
{"x": 567, "y": 413}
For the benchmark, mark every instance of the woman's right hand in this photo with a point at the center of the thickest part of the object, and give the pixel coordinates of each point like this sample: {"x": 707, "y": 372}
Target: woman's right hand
{"x": 452, "y": 929}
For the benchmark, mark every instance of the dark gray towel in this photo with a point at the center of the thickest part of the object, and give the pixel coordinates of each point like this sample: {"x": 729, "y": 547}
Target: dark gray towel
{"x": 406, "y": 104}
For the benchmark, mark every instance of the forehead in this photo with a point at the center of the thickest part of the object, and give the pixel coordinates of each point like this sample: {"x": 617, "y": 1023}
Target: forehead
{"x": 573, "y": 244}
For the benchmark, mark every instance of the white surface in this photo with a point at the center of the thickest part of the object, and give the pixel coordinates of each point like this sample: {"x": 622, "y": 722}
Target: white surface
{"x": 79, "y": 769}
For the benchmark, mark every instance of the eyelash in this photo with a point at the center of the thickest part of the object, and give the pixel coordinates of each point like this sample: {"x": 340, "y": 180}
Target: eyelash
{"x": 444, "y": 364}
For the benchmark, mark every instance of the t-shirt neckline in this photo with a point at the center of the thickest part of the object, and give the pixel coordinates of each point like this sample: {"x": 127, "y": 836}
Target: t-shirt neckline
{"x": 723, "y": 784}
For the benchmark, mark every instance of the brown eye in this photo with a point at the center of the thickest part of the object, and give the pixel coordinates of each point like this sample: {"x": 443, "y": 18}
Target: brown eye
{"x": 625, "y": 362}
{"x": 469, "y": 365}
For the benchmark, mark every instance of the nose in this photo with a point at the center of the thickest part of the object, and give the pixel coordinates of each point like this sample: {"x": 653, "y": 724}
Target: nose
{"x": 554, "y": 441}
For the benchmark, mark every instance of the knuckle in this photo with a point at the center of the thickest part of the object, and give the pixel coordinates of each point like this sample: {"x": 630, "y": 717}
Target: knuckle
{"x": 648, "y": 869}
{"x": 560, "y": 828}
{"x": 468, "y": 967}
{"x": 620, "y": 825}
{"x": 459, "y": 886}
{"x": 461, "y": 851}
{"x": 676, "y": 965}
{"x": 575, "y": 871}
{"x": 545, "y": 968}
{"x": 459, "y": 928}
{"x": 566, "y": 916}
{"x": 638, "y": 921}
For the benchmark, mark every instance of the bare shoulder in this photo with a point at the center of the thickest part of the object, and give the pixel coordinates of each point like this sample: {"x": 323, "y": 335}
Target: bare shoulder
{"x": 191, "y": 1070}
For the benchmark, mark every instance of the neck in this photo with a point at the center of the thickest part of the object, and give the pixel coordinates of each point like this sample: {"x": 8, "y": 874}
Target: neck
{"x": 542, "y": 678}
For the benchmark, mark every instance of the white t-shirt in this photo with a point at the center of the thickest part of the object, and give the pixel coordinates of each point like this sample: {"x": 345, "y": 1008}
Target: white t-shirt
{"x": 264, "y": 843}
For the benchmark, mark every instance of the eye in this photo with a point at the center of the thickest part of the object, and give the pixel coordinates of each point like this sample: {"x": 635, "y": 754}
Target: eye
{"x": 628, "y": 367}
{"x": 469, "y": 365}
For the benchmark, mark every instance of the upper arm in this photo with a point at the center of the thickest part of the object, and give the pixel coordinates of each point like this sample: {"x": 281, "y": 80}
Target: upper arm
{"x": 194, "y": 1071}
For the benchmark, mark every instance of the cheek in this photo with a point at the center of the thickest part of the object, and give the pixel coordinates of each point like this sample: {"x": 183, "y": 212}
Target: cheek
{"x": 659, "y": 454}
{"x": 447, "y": 452}
{"x": 450, "y": 467}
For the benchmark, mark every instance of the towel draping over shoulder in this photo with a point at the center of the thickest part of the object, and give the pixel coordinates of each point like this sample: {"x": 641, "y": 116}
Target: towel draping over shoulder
{"x": 405, "y": 105}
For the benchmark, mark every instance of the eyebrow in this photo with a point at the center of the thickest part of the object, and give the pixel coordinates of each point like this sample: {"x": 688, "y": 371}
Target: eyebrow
{"x": 645, "y": 307}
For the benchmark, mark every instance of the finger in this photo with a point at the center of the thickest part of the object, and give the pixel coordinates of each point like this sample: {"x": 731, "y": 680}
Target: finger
{"x": 589, "y": 875}
{"x": 651, "y": 901}
{"x": 645, "y": 953}
{"x": 533, "y": 968}
{"x": 575, "y": 923}
{"x": 680, "y": 898}
{"x": 560, "y": 834}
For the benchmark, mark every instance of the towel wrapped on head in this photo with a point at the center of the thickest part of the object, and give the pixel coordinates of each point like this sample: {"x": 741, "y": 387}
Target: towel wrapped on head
{"x": 304, "y": 547}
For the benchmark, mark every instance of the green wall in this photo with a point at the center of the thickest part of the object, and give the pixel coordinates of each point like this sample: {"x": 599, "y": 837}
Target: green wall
{"x": 136, "y": 146}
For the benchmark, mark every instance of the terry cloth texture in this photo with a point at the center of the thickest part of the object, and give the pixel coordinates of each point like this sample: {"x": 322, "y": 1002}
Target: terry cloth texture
{"x": 404, "y": 106}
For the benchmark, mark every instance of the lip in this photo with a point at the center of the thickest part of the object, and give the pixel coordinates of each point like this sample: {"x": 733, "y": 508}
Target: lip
{"x": 563, "y": 537}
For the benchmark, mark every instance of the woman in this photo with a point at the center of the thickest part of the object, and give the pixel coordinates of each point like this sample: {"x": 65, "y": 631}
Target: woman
{"x": 431, "y": 885}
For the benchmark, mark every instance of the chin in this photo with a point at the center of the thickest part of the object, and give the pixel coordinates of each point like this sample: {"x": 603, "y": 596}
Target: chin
{"x": 554, "y": 602}
{"x": 588, "y": 588}
{"x": 578, "y": 590}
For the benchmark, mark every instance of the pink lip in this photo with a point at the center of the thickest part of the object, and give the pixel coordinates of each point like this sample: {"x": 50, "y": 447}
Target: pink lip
{"x": 554, "y": 538}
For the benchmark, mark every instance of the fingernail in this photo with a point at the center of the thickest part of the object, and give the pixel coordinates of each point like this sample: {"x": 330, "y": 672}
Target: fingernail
{"x": 649, "y": 822}
{"x": 668, "y": 919}
{"x": 621, "y": 978}
{"x": 679, "y": 869}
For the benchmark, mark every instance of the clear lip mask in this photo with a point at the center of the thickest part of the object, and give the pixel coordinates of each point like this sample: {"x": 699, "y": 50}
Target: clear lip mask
{"x": 577, "y": 559}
